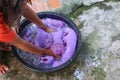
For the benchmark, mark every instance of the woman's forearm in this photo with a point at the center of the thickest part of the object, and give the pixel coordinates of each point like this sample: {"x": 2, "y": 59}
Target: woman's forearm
{"x": 31, "y": 15}
{"x": 26, "y": 46}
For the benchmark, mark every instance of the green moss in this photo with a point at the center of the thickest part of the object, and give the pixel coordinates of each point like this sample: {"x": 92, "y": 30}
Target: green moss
{"x": 76, "y": 79}
{"x": 81, "y": 25}
{"x": 103, "y": 6}
{"x": 85, "y": 50}
{"x": 98, "y": 73}
{"x": 79, "y": 10}
{"x": 92, "y": 57}
{"x": 117, "y": 37}
{"x": 76, "y": 11}
{"x": 111, "y": 0}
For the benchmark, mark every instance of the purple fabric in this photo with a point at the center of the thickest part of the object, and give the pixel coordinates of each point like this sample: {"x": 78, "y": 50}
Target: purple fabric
{"x": 62, "y": 42}
{"x": 43, "y": 39}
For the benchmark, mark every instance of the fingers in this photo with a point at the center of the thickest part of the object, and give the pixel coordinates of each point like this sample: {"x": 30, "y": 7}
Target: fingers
{"x": 50, "y": 53}
{"x": 6, "y": 68}
{"x": 49, "y": 30}
{"x": 3, "y": 69}
{"x": 1, "y": 73}
{"x": 16, "y": 29}
{"x": 54, "y": 55}
{"x": 58, "y": 58}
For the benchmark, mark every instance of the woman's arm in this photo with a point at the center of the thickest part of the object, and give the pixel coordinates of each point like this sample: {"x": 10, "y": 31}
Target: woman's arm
{"x": 26, "y": 46}
{"x": 31, "y": 15}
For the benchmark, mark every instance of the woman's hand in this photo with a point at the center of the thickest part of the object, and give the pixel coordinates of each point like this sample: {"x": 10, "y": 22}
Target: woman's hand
{"x": 48, "y": 29}
{"x": 16, "y": 29}
{"x": 50, "y": 53}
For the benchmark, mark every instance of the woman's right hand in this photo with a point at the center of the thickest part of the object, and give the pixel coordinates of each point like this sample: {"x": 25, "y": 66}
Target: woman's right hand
{"x": 49, "y": 52}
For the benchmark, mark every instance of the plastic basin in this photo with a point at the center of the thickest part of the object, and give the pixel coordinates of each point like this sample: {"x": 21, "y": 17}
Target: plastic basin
{"x": 56, "y": 16}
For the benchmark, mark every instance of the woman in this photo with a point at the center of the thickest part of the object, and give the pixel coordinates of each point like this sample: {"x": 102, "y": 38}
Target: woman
{"x": 10, "y": 13}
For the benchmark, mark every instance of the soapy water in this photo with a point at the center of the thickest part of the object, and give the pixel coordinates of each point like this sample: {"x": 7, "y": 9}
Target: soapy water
{"x": 62, "y": 42}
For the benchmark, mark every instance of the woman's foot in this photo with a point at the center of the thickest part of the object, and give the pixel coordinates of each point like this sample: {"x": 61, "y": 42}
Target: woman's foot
{"x": 3, "y": 68}
{"x": 5, "y": 47}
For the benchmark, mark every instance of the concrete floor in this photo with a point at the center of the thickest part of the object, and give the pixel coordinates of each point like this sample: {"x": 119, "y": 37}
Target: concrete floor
{"x": 99, "y": 58}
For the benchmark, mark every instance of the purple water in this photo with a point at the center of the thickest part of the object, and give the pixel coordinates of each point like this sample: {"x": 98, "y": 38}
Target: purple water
{"x": 62, "y": 42}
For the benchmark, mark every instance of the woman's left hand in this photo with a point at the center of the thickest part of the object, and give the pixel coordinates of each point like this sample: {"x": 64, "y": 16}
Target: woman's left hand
{"x": 16, "y": 29}
{"x": 48, "y": 29}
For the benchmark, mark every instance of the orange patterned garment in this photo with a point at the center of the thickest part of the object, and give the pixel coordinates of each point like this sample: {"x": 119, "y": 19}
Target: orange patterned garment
{"x": 6, "y": 34}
